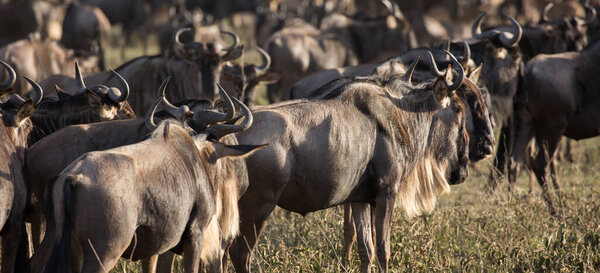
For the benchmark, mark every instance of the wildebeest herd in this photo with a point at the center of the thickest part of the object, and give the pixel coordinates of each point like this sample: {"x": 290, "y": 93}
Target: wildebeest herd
{"x": 362, "y": 115}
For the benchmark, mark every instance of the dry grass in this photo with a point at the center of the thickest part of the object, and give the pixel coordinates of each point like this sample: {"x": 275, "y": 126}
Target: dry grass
{"x": 470, "y": 231}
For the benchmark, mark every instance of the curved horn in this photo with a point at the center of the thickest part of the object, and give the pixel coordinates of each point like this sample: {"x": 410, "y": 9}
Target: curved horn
{"x": 235, "y": 38}
{"x": 177, "y": 33}
{"x": 544, "y": 17}
{"x": 432, "y": 66}
{"x": 461, "y": 72}
{"x": 150, "y": 114}
{"x": 511, "y": 39}
{"x": 466, "y": 54}
{"x": 388, "y": 5}
{"x": 476, "y": 27}
{"x": 592, "y": 12}
{"x": 409, "y": 72}
{"x": 12, "y": 77}
{"x": 177, "y": 112}
{"x": 118, "y": 98}
{"x": 38, "y": 93}
{"x": 78, "y": 78}
{"x": 16, "y": 100}
{"x": 220, "y": 130}
{"x": 266, "y": 61}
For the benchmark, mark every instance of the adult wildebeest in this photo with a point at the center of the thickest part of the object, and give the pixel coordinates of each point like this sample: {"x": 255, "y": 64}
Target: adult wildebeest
{"x": 556, "y": 105}
{"x": 74, "y": 141}
{"x": 85, "y": 30}
{"x": 40, "y": 59}
{"x": 15, "y": 127}
{"x": 187, "y": 200}
{"x": 373, "y": 146}
{"x": 498, "y": 51}
{"x": 21, "y": 18}
{"x": 195, "y": 69}
{"x": 89, "y": 104}
{"x": 297, "y": 52}
{"x": 241, "y": 79}
{"x": 555, "y": 35}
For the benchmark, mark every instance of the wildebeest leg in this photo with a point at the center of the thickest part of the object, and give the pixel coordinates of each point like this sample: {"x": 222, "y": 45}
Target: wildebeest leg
{"x": 522, "y": 137}
{"x": 349, "y": 236}
{"x": 219, "y": 264}
{"x": 500, "y": 159}
{"x": 14, "y": 250}
{"x": 149, "y": 264}
{"x": 361, "y": 213}
{"x": 383, "y": 220}
{"x": 38, "y": 225}
{"x": 568, "y": 154}
{"x": 165, "y": 262}
{"x": 251, "y": 227}
{"x": 191, "y": 253}
{"x": 547, "y": 147}
{"x": 561, "y": 197}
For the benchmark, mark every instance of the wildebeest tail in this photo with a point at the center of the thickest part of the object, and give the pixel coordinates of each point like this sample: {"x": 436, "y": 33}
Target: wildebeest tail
{"x": 59, "y": 260}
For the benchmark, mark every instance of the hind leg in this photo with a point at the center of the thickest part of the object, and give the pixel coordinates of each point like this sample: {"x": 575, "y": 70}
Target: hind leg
{"x": 361, "y": 213}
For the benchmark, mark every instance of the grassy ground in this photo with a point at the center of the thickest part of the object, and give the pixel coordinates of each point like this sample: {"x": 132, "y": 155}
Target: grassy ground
{"x": 470, "y": 231}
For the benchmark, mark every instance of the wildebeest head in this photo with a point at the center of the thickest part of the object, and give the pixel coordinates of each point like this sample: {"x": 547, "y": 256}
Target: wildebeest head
{"x": 501, "y": 57}
{"x": 16, "y": 109}
{"x": 450, "y": 138}
{"x": 106, "y": 102}
{"x": 208, "y": 55}
{"x": 241, "y": 79}
{"x": 563, "y": 34}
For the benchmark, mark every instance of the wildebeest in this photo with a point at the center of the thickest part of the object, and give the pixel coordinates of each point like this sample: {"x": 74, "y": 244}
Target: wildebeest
{"x": 241, "y": 79}
{"x": 85, "y": 30}
{"x": 299, "y": 51}
{"x": 87, "y": 105}
{"x": 187, "y": 200}
{"x": 21, "y": 18}
{"x": 194, "y": 68}
{"x": 74, "y": 141}
{"x": 15, "y": 127}
{"x": 555, "y": 35}
{"x": 556, "y": 105}
{"x": 40, "y": 59}
{"x": 373, "y": 146}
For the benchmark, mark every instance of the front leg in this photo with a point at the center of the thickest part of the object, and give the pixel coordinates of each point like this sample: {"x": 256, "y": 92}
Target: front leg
{"x": 361, "y": 213}
{"x": 383, "y": 224}
{"x": 349, "y": 236}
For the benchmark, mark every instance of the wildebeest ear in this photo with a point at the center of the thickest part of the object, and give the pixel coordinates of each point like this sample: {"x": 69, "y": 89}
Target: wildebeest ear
{"x": 269, "y": 77}
{"x": 92, "y": 97}
{"x": 440, "y": 88}
{"x": 448, "y": 74}
{"x": 25, "y": 110}
{"x": 236, "y": 151}
{"x": 475, "y": 74}
{"x": 233, "y": 54}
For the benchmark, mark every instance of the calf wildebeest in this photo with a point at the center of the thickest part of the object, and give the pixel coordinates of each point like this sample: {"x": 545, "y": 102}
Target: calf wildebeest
{"x": 40, "y": 59}
{"x": 187, "y": 200}
{"x": 85, "y": 30}
{"x": 15, "y": 127}
{"x": 297, "y": 52}
{"x": 556, "y": 105}
{"x": 373, "y": 146}
{"x": 195, "y": 69}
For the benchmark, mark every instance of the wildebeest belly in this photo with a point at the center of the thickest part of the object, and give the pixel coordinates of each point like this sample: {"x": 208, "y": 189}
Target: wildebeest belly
{"x": 584, "y": 124}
